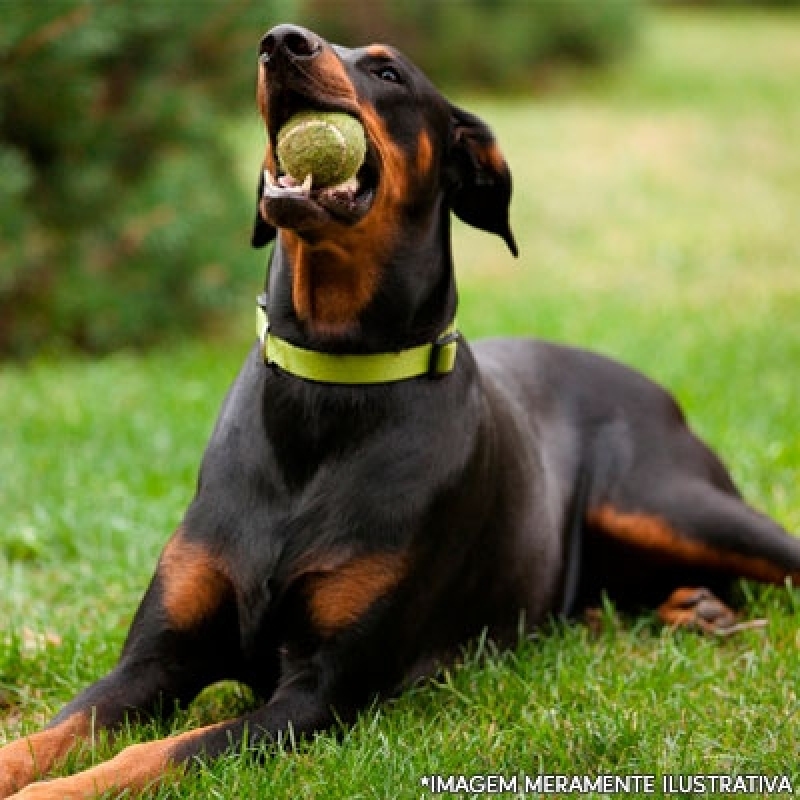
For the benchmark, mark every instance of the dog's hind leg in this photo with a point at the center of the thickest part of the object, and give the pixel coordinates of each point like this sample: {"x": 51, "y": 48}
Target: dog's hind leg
{"x": 694, "y": 534}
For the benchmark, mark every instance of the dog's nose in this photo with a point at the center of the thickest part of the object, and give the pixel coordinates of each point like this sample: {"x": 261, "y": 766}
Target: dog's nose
{"x": 289, "y": 42}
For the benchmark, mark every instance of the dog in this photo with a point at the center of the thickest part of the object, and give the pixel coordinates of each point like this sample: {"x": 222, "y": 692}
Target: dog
{"x": 376, "y": 492}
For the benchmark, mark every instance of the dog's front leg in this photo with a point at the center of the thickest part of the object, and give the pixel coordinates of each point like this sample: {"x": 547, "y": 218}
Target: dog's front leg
{"x": 296, "y": 709}
{"x": 128, "y": 688}
{"x": 184, "y": 636}
{"x": 23, "y": 760}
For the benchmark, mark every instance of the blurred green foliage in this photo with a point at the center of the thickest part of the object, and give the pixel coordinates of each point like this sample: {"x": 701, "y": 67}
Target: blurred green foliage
{"x": 122, "y": 218}
{"x": 486, "y": 43}
{"x": 120, "y": 207}
{"x": 742, "y": 4}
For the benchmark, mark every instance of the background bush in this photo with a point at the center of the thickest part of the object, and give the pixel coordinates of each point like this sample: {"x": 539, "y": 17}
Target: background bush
{"x": 120, "y": 206}
{"x": 489, "y": 43}
{"x": 777, "y": 4}
{"x": 122, "y": 218}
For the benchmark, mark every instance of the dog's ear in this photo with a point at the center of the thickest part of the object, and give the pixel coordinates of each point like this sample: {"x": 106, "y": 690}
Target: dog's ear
{"x": 263, "y": 232}
{"x": 477, "y": 177}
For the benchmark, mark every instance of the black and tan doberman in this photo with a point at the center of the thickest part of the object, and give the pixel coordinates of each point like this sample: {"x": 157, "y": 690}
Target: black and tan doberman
{"x": 377, "y": 491}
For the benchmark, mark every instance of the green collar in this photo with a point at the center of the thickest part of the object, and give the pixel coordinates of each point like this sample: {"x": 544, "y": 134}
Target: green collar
{"x": 433, "y": 359}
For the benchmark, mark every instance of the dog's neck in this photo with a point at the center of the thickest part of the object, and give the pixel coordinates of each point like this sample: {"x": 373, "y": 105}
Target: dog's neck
{"x": 362, "y": 296}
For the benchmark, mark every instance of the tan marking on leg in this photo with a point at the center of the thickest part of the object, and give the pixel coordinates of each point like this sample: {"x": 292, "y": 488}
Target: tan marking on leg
{"x": 194, "y": 581}
{"x": 655, "y": 535}
{"x": 32, "y": 757}
{"x": 134, "y": 770}
{"x": 338, "y": 598}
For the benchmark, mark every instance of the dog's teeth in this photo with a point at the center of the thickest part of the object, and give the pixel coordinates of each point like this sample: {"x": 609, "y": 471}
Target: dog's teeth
{"x": 269, "y": 181}
{"x": 278, "y": 188}
{"x": 350, "y": 185}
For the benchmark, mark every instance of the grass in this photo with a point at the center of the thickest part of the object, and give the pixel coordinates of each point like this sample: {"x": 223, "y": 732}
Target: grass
{"x": 656, "y": 211}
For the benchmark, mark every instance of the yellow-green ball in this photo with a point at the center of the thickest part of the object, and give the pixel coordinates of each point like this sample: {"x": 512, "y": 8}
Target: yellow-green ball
{"x": 330, "y": 146}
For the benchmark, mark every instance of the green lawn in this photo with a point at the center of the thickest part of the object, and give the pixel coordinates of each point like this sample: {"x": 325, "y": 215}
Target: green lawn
{"x": 657, "y": 215}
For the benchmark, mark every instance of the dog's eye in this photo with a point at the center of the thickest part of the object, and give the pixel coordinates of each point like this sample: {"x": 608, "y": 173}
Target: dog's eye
{"x": 388, "y": 74}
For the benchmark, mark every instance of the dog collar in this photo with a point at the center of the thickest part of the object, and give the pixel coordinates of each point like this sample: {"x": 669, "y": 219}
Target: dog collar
{"x": 433, "y": 359}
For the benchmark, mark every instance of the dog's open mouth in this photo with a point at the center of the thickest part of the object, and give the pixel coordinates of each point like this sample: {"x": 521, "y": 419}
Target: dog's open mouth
{"x": 288, "y": 203}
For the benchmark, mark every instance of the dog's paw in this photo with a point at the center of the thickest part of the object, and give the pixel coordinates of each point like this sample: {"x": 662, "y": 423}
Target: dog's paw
{"x": 45, "y": 790}
{"x": 16, "y": 768}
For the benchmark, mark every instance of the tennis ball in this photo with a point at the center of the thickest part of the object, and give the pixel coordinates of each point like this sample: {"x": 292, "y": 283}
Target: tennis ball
{"x": 330, "y": 146}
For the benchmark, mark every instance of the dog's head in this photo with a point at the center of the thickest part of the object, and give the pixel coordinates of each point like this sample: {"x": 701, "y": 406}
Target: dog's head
{"x": 418, "y": 143}
{"x": 424, "y": 155}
